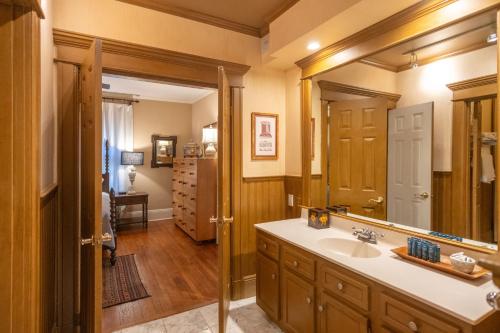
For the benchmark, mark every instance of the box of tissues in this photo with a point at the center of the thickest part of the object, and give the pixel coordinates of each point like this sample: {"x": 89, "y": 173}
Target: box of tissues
{"x": 318, "y": 218}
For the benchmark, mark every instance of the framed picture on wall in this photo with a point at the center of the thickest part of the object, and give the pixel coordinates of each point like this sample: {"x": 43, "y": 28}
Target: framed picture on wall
{"x": 163, "y": 151}
{"x": 264, "y": 136}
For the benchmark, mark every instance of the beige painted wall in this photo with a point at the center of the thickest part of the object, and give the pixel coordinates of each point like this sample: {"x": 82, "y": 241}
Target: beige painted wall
{"x": 204, "y": 112}
{"x": 151, "y": 117}
{"x": 264, "y": 92}
{"x": 316, "y": 115}
{"x": 48, "y": 129}
{"x": 293, "y": 146}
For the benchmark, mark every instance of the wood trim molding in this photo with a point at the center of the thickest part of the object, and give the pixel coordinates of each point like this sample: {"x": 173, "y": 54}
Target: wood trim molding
{"x": 214, "y": 20}
{"x": 263, "y": 179}
{"x": 416, "y": 20}
{"x": 111, "y": 46}
{"x": 35, "y": 4}
{"x": 472, "y": 83}
{"x": 379, "y": 64}
{"x": 48, "y": 192}
{"x": 353, "y": 90}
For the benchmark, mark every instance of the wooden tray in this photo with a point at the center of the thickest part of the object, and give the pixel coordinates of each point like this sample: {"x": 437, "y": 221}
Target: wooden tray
{"x": 444, "y": 265}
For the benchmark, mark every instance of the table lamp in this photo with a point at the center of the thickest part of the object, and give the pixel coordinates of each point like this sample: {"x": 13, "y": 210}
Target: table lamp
{"x": 132, "y": 159}
{"x": 210, "y": 139}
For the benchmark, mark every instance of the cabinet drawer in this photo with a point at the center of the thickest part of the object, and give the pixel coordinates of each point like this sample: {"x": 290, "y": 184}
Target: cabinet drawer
{"x": 407, "y": 319}
{"x": 268, "y": 246}
{"x": 345, "y": 287}
{"x": 299, "y": 262}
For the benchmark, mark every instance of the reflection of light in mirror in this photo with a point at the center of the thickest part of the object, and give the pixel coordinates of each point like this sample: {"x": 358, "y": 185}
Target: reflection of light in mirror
{"x": 436, "y": 75}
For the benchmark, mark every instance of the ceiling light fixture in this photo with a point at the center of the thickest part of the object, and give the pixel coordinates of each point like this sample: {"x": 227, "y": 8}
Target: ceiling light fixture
{"x": 413, "y": 60}
{"x": 313, "y": 46}
{"x": 491, "y": 38}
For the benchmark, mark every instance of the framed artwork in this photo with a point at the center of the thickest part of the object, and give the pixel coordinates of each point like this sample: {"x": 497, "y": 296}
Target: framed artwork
{"x": 264, "y": 136}
{"x": 313, "y": 136}
{"x": 163, "y": 151}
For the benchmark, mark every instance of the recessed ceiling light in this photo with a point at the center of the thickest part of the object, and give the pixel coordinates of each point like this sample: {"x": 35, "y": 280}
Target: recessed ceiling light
{"x": 492, "y": 38}
{"x": 313, "y": 46}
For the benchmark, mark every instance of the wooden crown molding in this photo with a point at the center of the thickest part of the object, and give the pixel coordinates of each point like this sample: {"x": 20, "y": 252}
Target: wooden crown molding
{"x": 418, "y": 10}
{"x": 111, "y": 46}
{"x": 352, "y": 90}
{"x": 472, "y": 83}
{"x": 214, "y": 20}
{"x": 35, "y": 4}
{"x": 425, "y": 61}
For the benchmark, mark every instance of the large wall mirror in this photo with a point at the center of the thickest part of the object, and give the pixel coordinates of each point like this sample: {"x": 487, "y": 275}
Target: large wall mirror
{"x": 408, "y": 135}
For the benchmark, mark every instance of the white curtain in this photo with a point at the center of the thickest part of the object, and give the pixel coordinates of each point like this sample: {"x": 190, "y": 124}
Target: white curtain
{"x": 118, "y": 129}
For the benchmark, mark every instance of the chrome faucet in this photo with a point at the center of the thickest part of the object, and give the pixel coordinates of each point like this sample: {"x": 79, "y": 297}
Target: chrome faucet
{"x": 366, "y": 235}
{"x": 493, "y": 299}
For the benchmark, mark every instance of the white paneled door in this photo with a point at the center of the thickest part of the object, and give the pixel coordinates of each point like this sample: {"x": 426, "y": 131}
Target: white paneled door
{"x": 409, "y": 169}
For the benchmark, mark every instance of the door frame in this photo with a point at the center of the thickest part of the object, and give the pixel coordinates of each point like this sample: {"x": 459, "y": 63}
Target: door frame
{"x": 151, "y": 63}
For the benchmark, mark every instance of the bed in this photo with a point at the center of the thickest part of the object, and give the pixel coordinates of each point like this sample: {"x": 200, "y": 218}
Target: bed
{"x": 108, "y": 214}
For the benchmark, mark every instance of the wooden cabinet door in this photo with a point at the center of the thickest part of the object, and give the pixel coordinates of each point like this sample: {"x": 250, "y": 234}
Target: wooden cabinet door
{"x": 268, "y": 285}
{"x": 335, "y": 316}
{"x": 297, "y": 303}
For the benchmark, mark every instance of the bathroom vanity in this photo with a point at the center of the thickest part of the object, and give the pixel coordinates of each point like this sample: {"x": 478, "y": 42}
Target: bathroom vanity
{"x": 311, "y": 280}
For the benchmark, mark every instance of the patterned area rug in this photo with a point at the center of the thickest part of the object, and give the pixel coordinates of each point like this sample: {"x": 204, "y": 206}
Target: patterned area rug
{"x": 122, "y": 283}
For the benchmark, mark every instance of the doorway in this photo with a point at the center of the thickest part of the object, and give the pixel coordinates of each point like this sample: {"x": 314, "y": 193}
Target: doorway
{"x": 162, "y": 258}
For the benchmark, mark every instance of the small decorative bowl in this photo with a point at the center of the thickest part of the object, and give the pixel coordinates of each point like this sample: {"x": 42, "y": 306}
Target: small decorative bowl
{"x": 462, "y": 263}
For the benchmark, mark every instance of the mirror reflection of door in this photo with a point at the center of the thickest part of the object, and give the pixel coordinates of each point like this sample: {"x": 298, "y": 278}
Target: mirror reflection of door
{"x": 409, "y": 176}
{"x": 358, "y": 156}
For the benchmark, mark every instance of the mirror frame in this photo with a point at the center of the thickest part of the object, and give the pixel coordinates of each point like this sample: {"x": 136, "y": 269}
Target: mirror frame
{"x": 419, "y": 19}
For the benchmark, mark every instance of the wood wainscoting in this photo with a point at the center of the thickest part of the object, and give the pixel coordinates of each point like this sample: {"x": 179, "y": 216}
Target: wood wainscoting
{"x": 50, "y": 240}
{"x": 262, "y": 199}
{"x": 441, "y": 201}
{"x": 293, "y": 185}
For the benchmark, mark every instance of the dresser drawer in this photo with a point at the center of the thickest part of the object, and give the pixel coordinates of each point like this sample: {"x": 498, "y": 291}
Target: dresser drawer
{"x": 406, "y": 318}
{"x": 299, "y": 262}
{"x": 268, "y": 246}
{"x": 345, "y": 287}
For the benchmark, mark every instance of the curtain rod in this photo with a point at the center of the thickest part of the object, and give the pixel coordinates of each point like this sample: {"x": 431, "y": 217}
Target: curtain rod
{"x": 120, "y": 100}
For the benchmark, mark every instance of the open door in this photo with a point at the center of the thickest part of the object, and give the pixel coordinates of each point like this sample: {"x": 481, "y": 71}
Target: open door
{"x": 358, "y": 149}
{"x": 224, "y": 197}
{"x": 90, "y": 187}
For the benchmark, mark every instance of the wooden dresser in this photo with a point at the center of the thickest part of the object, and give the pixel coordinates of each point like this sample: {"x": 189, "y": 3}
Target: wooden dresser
{"x": 194, "y": 186}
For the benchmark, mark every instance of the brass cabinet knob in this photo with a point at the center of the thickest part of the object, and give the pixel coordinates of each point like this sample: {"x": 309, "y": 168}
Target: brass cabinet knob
{"x": 295, "y": 263}
{"x": 340, "y": 286}
{"x": 308, "y": 300}
{"x": 412, "y": 326}
{"x": 265, "y": 246}
{"x": 320, "y": 308}
{"x": 273, "y": 276}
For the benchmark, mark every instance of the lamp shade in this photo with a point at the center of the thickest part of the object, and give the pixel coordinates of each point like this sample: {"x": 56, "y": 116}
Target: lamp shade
{"x": 209, "y": 135}
{"x": 132, "y": 158}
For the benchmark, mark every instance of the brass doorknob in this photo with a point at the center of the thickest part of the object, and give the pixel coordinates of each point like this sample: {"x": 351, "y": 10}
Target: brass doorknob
{"x": 377, "y": 201}
{"x": 228, "y": 219}
{"x": 214, "y": 219}
{"x": 106, "y": 237}
{"x": 88, "y": 241}
{"x": 423, "y": 195}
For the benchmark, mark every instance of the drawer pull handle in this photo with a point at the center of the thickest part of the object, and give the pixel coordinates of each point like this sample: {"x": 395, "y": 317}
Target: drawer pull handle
{"x": 308, "y": 300}
{"x": 191, "y": 173}
{"x": 265, "y": 246}
{"x": 273, "y": 276}
{"x": 340, "y": 286}
{"x": 320, "y": 308}
{"x": 412, "y": 326}
{"x": 295, "y": 263}
{"x": 193, "y": 185}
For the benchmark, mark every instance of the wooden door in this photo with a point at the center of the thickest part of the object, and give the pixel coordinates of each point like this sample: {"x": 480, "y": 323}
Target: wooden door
{"x": 297, "y": 304}
{"x": 335, "y": 316}
{"x": 358, "y": 155}
{"x": 224, "y": 197}
{"x": 409, "y": 167}
{"x": 267, "y": 272}
{"x": 91, "y": 229}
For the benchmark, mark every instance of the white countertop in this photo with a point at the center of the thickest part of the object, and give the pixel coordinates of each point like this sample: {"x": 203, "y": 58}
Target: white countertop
{"x": 460, "y": 298}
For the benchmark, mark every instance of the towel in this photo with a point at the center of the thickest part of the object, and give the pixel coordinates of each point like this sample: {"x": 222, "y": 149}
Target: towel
{"x": 488, "y": 170}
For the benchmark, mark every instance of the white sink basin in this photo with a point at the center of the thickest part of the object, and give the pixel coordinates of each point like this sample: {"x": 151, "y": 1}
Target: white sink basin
{"x": 349, "y": 247}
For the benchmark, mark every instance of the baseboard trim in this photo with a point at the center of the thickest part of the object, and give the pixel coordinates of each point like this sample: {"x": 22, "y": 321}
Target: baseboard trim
{"x": 153, "y": 214}
{"x": 244, "y": 288}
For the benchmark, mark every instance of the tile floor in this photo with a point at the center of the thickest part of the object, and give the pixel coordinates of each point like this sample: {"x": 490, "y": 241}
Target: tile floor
{"x": 244, "y": 317}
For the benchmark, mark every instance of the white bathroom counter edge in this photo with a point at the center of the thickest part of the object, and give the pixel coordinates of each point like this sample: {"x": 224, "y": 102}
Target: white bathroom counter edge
{"x": 436, "y": 289}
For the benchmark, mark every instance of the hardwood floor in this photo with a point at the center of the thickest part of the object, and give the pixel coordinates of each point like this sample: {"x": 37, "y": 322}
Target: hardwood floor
{"x": 179, "y": 274}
